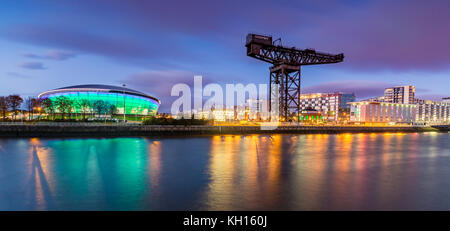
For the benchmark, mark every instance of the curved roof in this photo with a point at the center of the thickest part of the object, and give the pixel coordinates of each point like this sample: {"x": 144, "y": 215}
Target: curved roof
{"x": 102, "y": 87}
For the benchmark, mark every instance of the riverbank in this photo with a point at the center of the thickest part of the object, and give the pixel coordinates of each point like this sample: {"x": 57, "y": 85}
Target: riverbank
{"x": 118, "y": 130}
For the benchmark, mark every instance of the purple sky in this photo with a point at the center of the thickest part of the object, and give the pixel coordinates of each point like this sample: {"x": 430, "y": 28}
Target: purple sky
{"x": 151, "y": 45}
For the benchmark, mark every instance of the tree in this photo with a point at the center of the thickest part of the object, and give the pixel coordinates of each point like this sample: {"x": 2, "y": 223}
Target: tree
{"x": 32, "y": 104}
{"x": 85, "y": 106}
{"x": 14, "y": 102}
{"x": 29, "y": 106}
{"x": 99, "y": 106}
{"x": 70, "y": 108}
{"x": 49, "y": 106}
{"x": 112, "y": 109}
{"x": 64, "y": 105}
{"x": 4, "y": 106}
{"x": 36, "y": 102}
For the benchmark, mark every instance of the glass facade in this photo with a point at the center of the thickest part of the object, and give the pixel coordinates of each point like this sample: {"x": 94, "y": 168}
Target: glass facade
{"x": 134, "y": 104}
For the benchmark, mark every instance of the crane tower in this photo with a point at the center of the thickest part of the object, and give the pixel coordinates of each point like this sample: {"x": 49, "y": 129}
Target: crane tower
{"x": 285, "y": 69}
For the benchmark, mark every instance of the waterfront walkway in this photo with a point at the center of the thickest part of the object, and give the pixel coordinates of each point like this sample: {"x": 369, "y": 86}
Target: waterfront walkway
{"x": 120, "y": 129}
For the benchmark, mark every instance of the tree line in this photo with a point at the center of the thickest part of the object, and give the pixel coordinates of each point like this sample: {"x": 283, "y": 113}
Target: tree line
{"x": 66, "y": 107}
{"x": 61, "y": 105}
{"x": 10, "y": 103}
{"x": 170, "y": 121}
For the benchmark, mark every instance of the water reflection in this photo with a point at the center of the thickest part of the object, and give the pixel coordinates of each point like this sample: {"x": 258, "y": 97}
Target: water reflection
{"x": 331, "y": 172}
{"x": 244, "y": 170}
{"x": 391, "y": 171}
{"x": 39, "y": 189}
{"x": 155, "y": 163}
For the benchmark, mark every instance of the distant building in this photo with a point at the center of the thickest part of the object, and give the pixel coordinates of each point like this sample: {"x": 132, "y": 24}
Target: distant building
{"x": 446, "y": 100}
{"x": 399, "y": 94}
{"x": 375, "y": 99}
{"x": 310, "y": 116}
{"x": 382, "y": 113}
{"x": 328, "y": 104}
{"x": 425, "y": 111}
{"x": 257, "y": 109}
{"x": 252, "y": 110}
{"x": 164, "y": 115}
{"x": 220, "y": 115}
{"x": 429, "y": 111}
{"x": 344, "y": 115}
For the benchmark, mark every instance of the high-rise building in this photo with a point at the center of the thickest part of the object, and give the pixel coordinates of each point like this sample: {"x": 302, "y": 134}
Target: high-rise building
{"x": 399, "y": 94}
{"x": 330, "y": 105}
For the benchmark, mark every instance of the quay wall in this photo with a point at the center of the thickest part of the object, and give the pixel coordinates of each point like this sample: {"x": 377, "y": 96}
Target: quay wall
{"x": 114, "y": 130}
{"x": 442, "y": 128}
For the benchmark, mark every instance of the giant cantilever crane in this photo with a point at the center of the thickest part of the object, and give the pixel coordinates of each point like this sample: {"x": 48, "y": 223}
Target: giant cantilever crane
{"x": 285, "y": 71}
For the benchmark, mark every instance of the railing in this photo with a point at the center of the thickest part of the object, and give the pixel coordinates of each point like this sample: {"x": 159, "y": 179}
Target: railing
{"x": 281, "y": 124}
{"x": 69, "y": 123}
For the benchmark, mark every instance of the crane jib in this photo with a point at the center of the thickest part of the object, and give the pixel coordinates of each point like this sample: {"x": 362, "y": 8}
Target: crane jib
{"x": 285, "y": 71}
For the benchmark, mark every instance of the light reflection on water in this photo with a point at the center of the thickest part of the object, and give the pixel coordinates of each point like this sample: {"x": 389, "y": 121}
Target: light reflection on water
{"x": 391, "y": 171}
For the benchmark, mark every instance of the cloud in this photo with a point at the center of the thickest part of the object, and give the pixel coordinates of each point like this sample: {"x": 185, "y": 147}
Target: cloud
{"x": 30, "y": 55}
{"x": 53, "y": 55}
{"x": 159, "y": 83}
{"x": 386, "y": 34}
{"x": 73, "y": 39}
{"x": 404, "y": 34}
{"x": 59, "y": 55}
{"x": 362, "y": 89}
{"x": 15, "y": 74}
{"x": 436, "y": 97}
{"x": 32, "y": 65}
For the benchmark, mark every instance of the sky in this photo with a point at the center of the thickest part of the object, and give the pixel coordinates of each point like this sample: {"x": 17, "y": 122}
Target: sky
{"x": 152, "y": 45}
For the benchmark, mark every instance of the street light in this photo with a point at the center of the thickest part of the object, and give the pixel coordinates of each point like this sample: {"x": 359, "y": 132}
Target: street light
{"x": 39, "y": 109}
{"x": 124, "y": 111}
{"x": 139, "y": 110}
{"x": 136, "y": 111}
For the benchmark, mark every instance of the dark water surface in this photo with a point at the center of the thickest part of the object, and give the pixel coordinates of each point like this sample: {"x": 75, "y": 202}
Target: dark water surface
{"x": 259, "y": 172}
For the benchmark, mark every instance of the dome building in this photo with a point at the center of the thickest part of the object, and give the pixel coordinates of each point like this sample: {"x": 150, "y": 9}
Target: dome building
{"x": 134, "y": 102}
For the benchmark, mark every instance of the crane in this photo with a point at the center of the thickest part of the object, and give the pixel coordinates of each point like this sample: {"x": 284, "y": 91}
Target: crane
{"x": 285, "y": 69}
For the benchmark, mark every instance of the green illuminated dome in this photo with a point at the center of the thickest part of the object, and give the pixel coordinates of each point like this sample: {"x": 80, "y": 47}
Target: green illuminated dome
{"x": 136, "y": 103}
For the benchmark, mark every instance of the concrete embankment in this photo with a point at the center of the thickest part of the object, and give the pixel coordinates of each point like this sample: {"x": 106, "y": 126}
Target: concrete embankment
{"x": 105, "y": 130}
{"x": 442, "y": 128}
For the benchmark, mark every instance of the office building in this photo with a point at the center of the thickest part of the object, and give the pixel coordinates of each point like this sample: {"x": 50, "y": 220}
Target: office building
{"x": 399, "y": 94}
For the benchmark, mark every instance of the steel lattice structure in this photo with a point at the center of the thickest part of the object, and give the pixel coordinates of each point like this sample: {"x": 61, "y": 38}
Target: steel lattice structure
{"x": 285, "y": 71}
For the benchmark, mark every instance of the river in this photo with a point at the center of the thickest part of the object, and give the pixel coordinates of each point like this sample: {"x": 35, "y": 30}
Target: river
{"x": 376, "y": 171}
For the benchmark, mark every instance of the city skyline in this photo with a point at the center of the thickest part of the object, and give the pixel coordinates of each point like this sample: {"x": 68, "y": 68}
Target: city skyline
{"x": 49, "y": 45}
